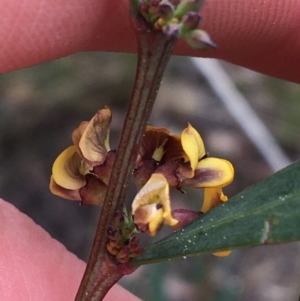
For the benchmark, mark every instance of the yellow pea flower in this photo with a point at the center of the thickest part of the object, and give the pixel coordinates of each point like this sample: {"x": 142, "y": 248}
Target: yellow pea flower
{"x": 91, "y": 145}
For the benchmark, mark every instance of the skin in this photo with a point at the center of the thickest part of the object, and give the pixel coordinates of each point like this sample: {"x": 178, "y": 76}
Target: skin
{"x": 263, "y": 35}
{"x": 34, "y": 266}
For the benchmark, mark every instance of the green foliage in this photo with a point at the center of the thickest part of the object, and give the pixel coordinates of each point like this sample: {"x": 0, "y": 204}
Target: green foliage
{"x": 266, "y": 213}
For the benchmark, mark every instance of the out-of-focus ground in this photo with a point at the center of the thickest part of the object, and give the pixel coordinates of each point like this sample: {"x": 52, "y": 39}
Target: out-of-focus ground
{"x": 40, "y": 107}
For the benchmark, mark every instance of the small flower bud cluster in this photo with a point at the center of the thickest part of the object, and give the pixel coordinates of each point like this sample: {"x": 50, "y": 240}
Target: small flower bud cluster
{"x": 121, "y": 242}
{"x": 177, "y": 18}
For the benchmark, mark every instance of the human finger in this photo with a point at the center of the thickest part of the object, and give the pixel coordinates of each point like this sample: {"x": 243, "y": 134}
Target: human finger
{"x": 263, "y": 36}
{"x": 36, "y": 267}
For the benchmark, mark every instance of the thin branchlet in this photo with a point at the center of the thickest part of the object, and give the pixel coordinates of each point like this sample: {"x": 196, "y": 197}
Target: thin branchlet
{"x": 154, "y": 51}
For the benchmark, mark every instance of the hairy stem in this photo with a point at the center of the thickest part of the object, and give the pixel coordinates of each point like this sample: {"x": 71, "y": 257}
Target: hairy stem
{"x": 154, "y": 51}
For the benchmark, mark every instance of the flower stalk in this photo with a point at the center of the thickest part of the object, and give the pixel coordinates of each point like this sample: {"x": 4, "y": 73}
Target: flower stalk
{"x": 154, "y": 51}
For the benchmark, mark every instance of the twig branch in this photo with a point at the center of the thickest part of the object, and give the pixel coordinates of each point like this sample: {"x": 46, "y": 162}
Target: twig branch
{"x": 154, "y": 51}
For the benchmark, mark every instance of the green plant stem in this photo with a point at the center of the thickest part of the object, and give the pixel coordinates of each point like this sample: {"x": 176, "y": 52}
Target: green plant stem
{"x": 154, "y": 51}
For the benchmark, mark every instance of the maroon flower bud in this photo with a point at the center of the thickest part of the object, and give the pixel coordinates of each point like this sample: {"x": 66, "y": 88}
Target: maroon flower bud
{"x": 184, "y": 217}
{"x": 124, "y": 260}
{"x": 123, "y": 253}
{"x": 133, "y": 244}
{"x": 191, "y": 20}
{"x": 144, "y": 8}
{"x": 154, "y": 3}
{"x": 113, "y": 233}
{"x": 115, "y": 243}
{"x": 112, "y": 249}
{"x": 166, "y": 11}
{"x": 153, "y": 8}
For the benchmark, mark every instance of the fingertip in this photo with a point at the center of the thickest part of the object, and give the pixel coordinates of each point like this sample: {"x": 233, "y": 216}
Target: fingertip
{"x": 35, "y": 31}
{"x": 34, "y": 266}
{"x": 263, "y": 36}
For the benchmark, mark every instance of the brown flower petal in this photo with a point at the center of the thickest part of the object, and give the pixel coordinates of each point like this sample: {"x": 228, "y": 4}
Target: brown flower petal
{"x": 173, "y": 150}
{"x": 93, "y": 192}
{"x": 184, "y": 217}
{"x": 104, "y": 170}
{"x": 184, "y": 173}
{"x": 153, "y": 144}
{"x": 168, "y": 170}
{"x": 68, "y": 194}
{"x": 94, "y": 141}
{"x": 143, "y": 173}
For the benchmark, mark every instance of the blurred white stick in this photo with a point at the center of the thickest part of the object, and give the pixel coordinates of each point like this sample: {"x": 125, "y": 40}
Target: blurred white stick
{"x": 242, "y": 112}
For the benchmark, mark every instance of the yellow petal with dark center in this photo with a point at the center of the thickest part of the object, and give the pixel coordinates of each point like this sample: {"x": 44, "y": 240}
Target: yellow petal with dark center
{"x": 94, "y": 142}
{"x": 211, "y": 172}
{"x": 193, "y": 145}
{"x": 148, "y": 218}
{"x": 212, "y": 198}
{"x": 152, "y": 204}
{"x": 68, "y": 194}
{"x": 66, "y": 169}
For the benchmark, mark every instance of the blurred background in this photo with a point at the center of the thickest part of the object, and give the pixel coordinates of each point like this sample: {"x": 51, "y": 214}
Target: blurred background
{"x": 42, "y": 105}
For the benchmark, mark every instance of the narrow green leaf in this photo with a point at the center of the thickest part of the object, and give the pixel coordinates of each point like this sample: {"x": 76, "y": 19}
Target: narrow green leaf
{"x": 266, "y": 213}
